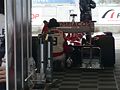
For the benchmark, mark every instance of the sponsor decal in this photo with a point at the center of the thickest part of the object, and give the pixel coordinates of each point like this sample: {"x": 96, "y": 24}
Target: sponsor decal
{"x": 76, "y": 24}
{"x": 112, "y": 13}
{"x": 109, "y": 15}
{"x": 35, "y": 16}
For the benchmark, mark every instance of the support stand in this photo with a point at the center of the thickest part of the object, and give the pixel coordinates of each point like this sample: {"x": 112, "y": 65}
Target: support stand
{"x": 73, "y": 17}
{"x": 40, "y": 81}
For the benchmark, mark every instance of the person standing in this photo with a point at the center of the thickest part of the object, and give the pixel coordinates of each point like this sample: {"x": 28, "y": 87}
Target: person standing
{"x": 85, "y": 9}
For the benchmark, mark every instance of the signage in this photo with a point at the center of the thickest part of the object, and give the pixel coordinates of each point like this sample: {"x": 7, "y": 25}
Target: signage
{"x": 36, "y": 16}
{"x": 109, "y": 15}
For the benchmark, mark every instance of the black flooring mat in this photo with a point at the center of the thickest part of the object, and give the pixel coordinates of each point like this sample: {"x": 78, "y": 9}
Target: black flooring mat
{"x": 91, "y": 79}
{"x": 84, "y": 79}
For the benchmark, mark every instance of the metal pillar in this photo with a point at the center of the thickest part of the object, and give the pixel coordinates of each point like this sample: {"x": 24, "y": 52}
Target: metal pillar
{"x": 18, "y": 42}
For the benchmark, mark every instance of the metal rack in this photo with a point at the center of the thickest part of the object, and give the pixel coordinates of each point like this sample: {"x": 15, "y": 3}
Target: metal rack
{"x": 89, "y": 60}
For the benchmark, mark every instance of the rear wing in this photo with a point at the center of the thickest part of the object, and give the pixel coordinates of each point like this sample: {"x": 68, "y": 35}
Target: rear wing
{"x": 76, "y": 27}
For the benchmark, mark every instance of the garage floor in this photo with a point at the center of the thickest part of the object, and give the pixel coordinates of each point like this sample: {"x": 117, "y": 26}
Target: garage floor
{"x": 82, "y": 79}
{"x": 91, "y": 79}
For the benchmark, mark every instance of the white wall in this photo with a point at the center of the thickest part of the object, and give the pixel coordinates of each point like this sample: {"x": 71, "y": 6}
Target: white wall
{"x": 62, "y": 13}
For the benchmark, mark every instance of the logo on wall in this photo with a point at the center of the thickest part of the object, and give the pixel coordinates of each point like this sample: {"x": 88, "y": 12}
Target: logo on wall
{"x": 35, "y": 16}
{"x": 111, "y": 13}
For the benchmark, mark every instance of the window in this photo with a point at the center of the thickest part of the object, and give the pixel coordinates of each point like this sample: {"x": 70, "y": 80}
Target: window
{"x": 107, "y": 1}
{"x": 52, "y": 1}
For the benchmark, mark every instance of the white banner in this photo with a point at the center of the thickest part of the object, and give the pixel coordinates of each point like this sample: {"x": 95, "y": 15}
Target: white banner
{"x": 103, "y": 15}
{"x": 39, "y": 14}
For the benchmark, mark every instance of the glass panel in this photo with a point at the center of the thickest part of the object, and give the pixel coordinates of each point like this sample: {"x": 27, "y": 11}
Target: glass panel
{"x": 52, "y": 1}
{"x": 107, "y": 1}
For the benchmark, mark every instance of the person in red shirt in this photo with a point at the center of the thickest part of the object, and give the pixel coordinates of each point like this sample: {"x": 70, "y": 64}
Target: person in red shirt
{"x": 58, "y": 41}
{"x": 60, "y": 47}
{"x": 45, "y": 27}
